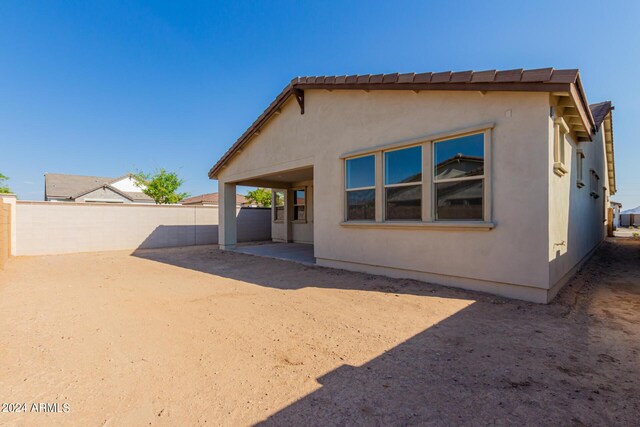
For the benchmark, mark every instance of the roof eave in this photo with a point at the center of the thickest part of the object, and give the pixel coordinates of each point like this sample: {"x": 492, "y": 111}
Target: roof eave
{"x": 571, "y": 85}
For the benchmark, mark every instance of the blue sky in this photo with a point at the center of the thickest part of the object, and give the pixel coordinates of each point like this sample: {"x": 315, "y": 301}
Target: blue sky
{"x": 103, "y": 88}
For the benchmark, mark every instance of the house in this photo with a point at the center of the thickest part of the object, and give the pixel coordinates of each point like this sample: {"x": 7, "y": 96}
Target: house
{"x": 496, "y": 181}
{"x": 211, "y": 199}
{"x": 80, "y": 188}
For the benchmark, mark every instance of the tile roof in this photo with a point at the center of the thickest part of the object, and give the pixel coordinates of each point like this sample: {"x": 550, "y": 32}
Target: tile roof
{"x": 600, "y": 111}
{"x": 71, "y": 186}
{"x": 537, "y": 80}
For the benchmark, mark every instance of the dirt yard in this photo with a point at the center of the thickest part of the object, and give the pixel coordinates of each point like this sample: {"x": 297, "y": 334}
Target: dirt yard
{"x": 196, "y": 336}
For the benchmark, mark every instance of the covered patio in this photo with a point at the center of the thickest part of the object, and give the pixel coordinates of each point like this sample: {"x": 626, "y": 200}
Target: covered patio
{"x": 291, "y": 219}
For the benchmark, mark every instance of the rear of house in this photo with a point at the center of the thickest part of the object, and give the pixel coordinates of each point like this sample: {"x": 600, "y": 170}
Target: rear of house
{"x": 496, "y": 181}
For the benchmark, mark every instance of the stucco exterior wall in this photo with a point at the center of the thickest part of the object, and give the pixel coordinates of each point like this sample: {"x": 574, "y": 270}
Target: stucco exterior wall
{"x": 44, "y": 228}
{"x": 103, "y": 194}
{"x": 576, "y": 220}
{"x": 126, "y": 184}
{"x": 514, "y": 253}
{"x": 294, "y": 231}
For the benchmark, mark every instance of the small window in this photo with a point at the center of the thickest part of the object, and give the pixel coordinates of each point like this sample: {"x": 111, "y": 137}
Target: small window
{"x": 459, "y": 178}
{"x": 278, "y": 203}
{"x": 580, "y": 168}
{"x": 559, "y": 146}
{"x": 403, "y": 184}
{"x": 299, "y": 205}
{"x": 594, "y": 185}
{"x": 361, "y": 192}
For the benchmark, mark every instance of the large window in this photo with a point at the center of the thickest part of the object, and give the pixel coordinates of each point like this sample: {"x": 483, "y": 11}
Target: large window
{"x": 361, "y": 188}
{"x": 459, "y": 178}
{"x": 443, "y": 178}
{"x": 403, "y": 184}
{"x": 278, "y": 202}
{"x": 299, "y": 202}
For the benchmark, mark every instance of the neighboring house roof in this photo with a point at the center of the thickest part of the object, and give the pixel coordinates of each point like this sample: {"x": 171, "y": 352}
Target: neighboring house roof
{"x": 632, "y": 211}
{"x": 65, "y": 186}
{"x": 210, "y": 198}
{"x": 538, "y": 80}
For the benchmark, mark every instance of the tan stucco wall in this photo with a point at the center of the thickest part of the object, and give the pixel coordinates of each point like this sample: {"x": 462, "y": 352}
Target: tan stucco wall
{"x": 576, "y": 224}
{"x": 44, "y": 228}
{"x": 515, "y": 252}
{"x": 103, "y": 194}
{"x": 299, "y": 232}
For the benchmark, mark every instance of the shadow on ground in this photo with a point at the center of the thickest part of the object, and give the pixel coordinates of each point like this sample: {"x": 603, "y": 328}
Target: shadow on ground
{"x": 498, "y": 361}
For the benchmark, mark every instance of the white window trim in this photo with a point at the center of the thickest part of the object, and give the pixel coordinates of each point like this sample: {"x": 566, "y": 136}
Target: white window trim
{"x": 427, "y": 182}
{"x": 560, "y": 131}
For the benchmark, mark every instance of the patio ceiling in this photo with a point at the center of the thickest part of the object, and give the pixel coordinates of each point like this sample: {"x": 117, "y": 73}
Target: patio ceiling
{"x": 280, "y": 179}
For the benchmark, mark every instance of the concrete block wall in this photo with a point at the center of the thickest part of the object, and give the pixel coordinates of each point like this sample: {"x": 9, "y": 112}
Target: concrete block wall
{"x": 44, "y": 228}
{"x": 5, "y": 232}
{"x": 627, "y": 220}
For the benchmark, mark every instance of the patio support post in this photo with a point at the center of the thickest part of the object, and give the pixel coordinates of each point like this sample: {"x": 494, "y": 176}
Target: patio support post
{"x": 227, "y": 223}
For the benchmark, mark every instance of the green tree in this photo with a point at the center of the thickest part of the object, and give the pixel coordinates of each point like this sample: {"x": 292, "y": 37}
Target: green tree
{"x": 4, "y": 188}
{"x": 260, "y": 196}
{"x": 162, "y": 186}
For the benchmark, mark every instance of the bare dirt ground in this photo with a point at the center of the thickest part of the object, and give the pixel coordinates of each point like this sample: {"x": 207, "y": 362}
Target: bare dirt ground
{"x": 196, "y": 336}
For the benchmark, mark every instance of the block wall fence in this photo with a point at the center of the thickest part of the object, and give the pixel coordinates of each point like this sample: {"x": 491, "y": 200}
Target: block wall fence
{"x": 47, "y": 228}
{"x": 5, "y": 232}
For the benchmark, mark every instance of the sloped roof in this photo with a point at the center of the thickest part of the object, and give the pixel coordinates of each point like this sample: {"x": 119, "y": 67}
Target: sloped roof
{"x": 72, "y": 186}
{"x": 603, "y": 118}
{"x": 538, "y": 80}
{"x": 600, "y": 111}
{"x": 210, "y": 198}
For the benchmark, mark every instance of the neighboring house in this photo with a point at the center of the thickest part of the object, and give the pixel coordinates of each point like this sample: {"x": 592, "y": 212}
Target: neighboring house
{"x": 615, "y": 208}
{"x": 80, "y": 188}
{"x": 211, "y": 199}
{"x": 496, "y": 181}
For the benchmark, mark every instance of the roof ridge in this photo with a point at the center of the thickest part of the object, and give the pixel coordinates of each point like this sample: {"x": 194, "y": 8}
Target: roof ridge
{"x": 518, "y": 79}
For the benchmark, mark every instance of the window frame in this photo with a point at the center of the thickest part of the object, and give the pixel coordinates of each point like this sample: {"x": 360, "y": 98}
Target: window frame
{"x": 275, "y": 206}
{"x": 294, "y": 205}
{"x": 427, "y": 182}
{"x": 373, "y": 187}
{"x": 403, "y": 184}
{"x": 435, "y": 181}
{"x": 560, "y": 132}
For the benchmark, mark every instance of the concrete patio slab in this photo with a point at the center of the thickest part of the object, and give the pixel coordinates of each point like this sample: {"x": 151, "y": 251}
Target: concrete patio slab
{"x": 298, "y": 252}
